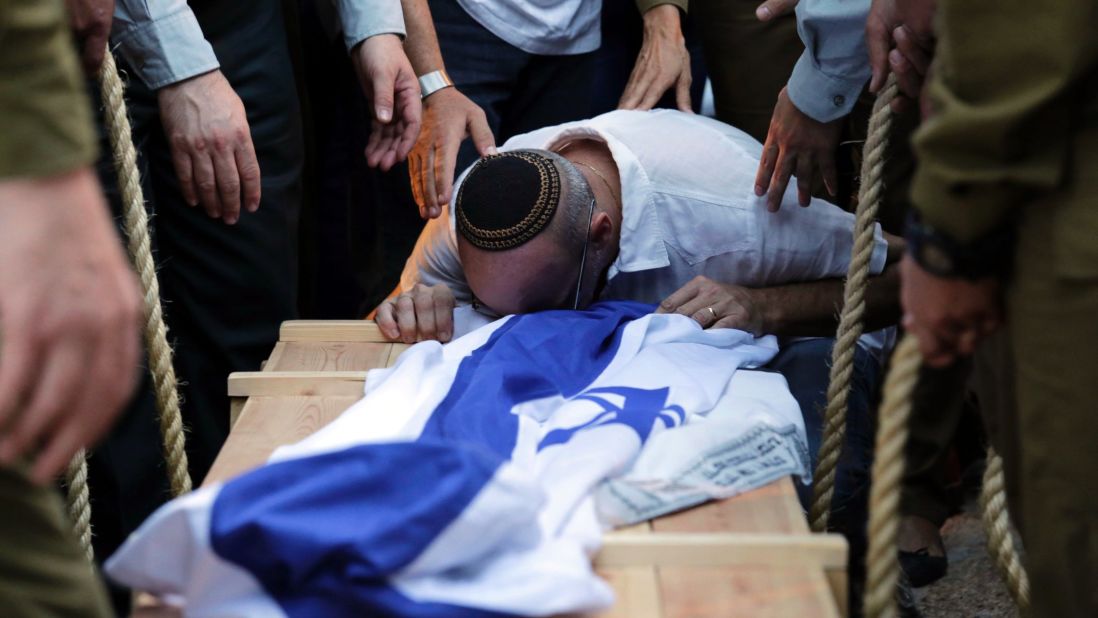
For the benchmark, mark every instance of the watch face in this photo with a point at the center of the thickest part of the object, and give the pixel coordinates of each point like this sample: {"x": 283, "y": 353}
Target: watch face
{"x": 935, "y": 259}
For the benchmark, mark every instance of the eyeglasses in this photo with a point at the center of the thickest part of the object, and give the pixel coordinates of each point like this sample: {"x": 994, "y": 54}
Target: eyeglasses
{"x": 583, "y": 258}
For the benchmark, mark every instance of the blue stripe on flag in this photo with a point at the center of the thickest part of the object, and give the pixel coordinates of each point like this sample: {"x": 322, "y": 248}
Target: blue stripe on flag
{"x": 350, "y": 516}
{"x": 529, "y": 357}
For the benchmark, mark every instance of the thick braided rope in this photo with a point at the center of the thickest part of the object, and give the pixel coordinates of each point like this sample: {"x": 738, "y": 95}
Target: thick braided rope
{"x": 850, "y": 322}
{"x": 1000, "y": 538}
{"x": 78, "y": 501}
{"x": 882, "y": 565}
{"x": 137, "y": 232}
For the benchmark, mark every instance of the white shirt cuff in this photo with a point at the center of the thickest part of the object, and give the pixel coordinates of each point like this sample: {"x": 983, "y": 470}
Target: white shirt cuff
{"x": 362, "y": 19}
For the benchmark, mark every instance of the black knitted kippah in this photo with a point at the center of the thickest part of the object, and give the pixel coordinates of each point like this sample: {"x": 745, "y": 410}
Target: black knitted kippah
{"x": 507, "y": 199}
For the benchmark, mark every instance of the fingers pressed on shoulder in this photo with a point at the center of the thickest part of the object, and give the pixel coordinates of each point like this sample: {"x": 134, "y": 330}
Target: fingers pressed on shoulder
{"x": 766, "y": 166}
{"x": 805, "y": 171}
{"x": 783, "y": 171}
{"x": 406, "y": 318}
{"x": 682, "y": 90}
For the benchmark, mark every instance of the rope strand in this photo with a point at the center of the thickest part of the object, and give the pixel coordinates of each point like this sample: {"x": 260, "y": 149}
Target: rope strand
{"x": 140, "y": 248}
{"x": 851, "y": 320}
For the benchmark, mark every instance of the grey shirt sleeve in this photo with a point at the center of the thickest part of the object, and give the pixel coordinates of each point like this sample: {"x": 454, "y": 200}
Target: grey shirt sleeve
{"x": 161, "y": 40}
{"x": 834, "y": 67}
{"x": 362, "y": 19}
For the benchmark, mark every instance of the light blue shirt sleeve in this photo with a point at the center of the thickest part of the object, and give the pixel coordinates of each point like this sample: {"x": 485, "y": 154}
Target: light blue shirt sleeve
{"x": 362, "y": 19}
{"x": 834, "y": 67}
{"x": 161, "y": 41}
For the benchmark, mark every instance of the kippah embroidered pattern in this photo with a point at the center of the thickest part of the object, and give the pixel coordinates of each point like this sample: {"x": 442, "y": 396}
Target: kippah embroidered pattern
{"x": 540, "y": 211}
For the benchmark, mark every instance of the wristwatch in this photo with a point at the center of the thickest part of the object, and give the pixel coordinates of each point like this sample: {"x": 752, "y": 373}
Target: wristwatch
{"x": 433, "y": 82}
{"x": 940, "y": 254}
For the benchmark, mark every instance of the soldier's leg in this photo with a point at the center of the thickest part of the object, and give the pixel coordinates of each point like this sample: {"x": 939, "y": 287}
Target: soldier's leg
{"x": 43, "y": 571}
{"x": 1052, "y": 309}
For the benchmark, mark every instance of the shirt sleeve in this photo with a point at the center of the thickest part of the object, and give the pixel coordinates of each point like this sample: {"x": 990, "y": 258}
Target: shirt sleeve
{"x": 434, "y": 260}
{"x": 830, "y": 74}
{"x": 1008, "y": 82}
{"x": 644, "y": 5}
{"x": 808, "y": 244}
{"x": 47, "y": 124}
{"x": 362, "y": 19}
{"x": 161, "y": 40}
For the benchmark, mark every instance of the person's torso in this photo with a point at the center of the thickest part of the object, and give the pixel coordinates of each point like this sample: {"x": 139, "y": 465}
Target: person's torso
{"x": 544, "y": 27}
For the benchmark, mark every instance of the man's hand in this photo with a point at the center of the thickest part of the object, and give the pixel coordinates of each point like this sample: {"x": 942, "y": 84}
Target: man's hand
{"x": 390, "y": 84}
{"x": 69, "y": 320}
{"x": 207, "y": 128}
{"x": 774, "y": 8}
{"x": 796, "y": 144}
{"x": 900, "y": 39}
{"x": 715, "y": 305}
{"x": 422, "y": 314}
{"x": 91, "y": 24}
{"x": 662, "y": 62}
{"x": 448, "y": 117}
{"x": 948, "y": 316}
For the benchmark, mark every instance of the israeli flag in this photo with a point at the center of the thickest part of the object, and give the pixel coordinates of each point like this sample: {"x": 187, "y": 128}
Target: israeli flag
{"x": 477, "y": 478}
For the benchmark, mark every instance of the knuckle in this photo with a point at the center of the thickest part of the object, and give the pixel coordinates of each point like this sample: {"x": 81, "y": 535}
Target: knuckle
{"x": 207, "y": 186}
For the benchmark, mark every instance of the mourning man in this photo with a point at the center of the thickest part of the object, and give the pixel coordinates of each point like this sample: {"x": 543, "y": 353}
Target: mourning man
{"x": 656, "y": 207}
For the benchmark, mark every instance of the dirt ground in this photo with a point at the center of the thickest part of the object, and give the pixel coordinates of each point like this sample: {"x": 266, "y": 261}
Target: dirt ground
{"x": 972, "y": 588}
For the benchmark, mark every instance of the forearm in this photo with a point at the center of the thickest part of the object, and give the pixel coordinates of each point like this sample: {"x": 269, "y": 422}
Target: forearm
{"x": 421, "y": 45}
{"x": 811, "y": 309}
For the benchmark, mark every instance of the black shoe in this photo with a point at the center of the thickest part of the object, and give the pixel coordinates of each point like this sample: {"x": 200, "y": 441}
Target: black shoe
{"x": 921, "y": 568}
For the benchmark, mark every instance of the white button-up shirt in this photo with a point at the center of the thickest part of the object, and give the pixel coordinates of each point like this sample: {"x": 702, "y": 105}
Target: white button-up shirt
{"x": 688, "y": 208}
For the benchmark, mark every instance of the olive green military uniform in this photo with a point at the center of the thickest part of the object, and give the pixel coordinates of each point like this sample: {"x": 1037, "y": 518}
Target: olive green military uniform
{"x": 1014, "y": 141}
{"x": 45, "y": 129}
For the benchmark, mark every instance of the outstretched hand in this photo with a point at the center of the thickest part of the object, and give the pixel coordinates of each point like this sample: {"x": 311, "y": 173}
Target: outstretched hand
{"x": 387, "y": 78}
{"x": 663, "y": 63}
{"x": 449, "y": 117}
{"x": 797, "y": 145}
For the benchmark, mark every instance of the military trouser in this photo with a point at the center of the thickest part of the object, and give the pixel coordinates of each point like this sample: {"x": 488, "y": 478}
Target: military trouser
{"x": 43, "y": 572}
{"x": 1047, "y": 440}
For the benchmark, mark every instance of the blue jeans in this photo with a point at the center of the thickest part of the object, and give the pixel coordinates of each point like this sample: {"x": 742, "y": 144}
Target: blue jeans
{"x": 805, "y": 365}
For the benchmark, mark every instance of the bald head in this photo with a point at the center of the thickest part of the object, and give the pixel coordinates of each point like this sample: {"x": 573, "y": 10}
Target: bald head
{"x": 522, "y": 218}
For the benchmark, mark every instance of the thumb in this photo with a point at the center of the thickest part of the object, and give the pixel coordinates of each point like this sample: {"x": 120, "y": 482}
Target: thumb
{"x": 878, "y": 44}
{"x": 383, "y": 85}
{"x": 772, "y": 9}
